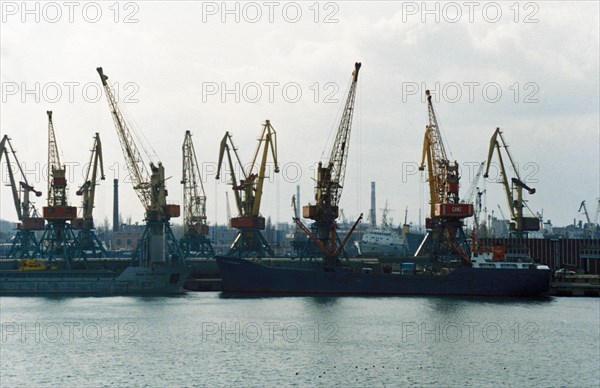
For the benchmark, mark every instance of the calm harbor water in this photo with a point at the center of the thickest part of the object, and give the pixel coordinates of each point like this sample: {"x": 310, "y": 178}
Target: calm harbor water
{"x": 205, "y": 339}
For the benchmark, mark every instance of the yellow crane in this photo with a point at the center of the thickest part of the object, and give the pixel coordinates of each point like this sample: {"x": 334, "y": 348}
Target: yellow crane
{"x": 25, "y": 243}
{"x": 445, "y": 237}
{"x": 158, "y": 244}
{"x": 86, "y": 238}
{"x": 520, "y": 224}
{"x": 585, "y": 213}
{"x": 195, "y": 240}
{"x": 248, "y": 193}
{"x": 589, "y": 227}
{"x": 330, "y": 183}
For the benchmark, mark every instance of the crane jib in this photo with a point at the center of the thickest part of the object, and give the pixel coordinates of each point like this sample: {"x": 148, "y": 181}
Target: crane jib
{"x": 149, "y": 185}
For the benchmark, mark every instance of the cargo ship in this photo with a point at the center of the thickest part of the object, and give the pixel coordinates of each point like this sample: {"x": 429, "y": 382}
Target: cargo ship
{"x": 36, "y": 278}
{"x": 484, "y": 277}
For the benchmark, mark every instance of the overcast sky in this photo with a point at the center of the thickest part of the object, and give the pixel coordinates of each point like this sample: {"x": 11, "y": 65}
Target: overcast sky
{"x": 530, "y": 68}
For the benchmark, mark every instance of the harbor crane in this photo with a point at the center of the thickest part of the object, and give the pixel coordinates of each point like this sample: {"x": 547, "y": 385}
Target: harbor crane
{"x": 585, "y": 212}
{"x": 157, "y": 245}
{"x": 329, "y": 185}
{"x": 445, "y": 238}
{"x": 86, "y": 240}
{"x": 249, "y": 241}
{"x": 519, "y": 225}
{"x": 589, "y": 226}
{"x": 195, "y": 240}
{"x": 25, "y": 242}
{"x": 58, "y": 238}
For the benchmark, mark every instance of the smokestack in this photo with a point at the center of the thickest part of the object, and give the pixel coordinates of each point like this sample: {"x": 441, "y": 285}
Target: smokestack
{"x": 298, "y": 202}
{"x": 373, "y": 206}
{"x": 116, "y": 205}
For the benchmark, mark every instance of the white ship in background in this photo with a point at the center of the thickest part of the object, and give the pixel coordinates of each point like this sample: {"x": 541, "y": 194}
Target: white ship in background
{"x": 387, "y": 241}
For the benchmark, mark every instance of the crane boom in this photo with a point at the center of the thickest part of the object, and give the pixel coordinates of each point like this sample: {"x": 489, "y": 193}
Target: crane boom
{"x": 339, "y": 152}
{"x": 228, "y": 148}
{"x": 433, "y": 139}
{"x": 330, "y": 183}
{"x": 470, "y": 196}
{"x": 585, "y": 212}
{"x": 88, "y": 189}
{"x": 53, "y": 153}
{"x": 15, "y": 193}
{"x": 3, "y": 145}
{"x": 56, "y": 172}
{"x": 495, "y": 146}
{"x": 157, "y": 245}
{"x": 331, "y": 174}
{"x": 269, "y": 138}
{"x": 135, "y": 163}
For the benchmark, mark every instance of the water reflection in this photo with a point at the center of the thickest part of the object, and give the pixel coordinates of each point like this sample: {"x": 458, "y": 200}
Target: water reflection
{"x": 454, "y": 304}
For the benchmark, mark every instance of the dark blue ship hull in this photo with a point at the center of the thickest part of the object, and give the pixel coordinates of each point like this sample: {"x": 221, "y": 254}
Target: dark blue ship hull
{"x": 243, "y": 276}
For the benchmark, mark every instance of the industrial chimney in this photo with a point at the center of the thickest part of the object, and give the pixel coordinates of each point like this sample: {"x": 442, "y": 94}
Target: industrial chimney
{"x": 116, "y": 205}
{"x": 298, "y": 201}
